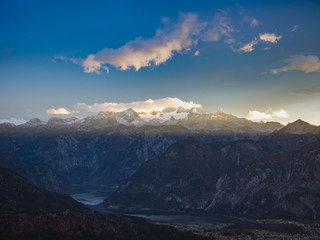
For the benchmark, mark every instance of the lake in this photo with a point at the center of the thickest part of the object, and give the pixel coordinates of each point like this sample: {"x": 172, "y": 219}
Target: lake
{"x": 93, "y": 196}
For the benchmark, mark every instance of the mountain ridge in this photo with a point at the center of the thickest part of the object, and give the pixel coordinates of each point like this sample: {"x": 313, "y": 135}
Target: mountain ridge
{"x": 247, "y": 180}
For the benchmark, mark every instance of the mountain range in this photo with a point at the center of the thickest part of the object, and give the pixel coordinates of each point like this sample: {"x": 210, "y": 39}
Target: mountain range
{"x": 195, "y": 120}
{"x": 108, "y": 148}
{"x": 180, "y": 166}
{"x": 244, "y": 178}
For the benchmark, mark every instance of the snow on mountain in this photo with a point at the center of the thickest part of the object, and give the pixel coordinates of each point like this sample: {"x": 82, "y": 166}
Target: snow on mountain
{"x": 33, "y": 123}
{"x": 194, "y": 119}
{"x": 63, "y": 121}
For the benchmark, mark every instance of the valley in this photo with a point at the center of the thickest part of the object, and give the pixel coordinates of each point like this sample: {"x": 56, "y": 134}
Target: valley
{"x": 213, "y": 184}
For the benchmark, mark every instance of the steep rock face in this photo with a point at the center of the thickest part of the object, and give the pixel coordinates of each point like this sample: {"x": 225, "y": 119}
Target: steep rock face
{"x": 164, "y": 181}
{"x": 283, "y": 185}
{"x": 184, "y": 176}
{"x": 238, "y": 153}
{"x": 89, "y": 158}
{"x": 239, "y": 178}
{"x": 39, "y": 174}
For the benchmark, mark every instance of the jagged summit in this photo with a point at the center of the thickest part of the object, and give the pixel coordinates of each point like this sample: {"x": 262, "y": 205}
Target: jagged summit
{"x": 103, "y": 114}
{"x": 128, "y": 115}
{"x": 61, "y": 121}
{"x": 300, "y": 127}
{"x": 33, "y": 122}
{"x": 194, "y": 119}
{"x": 222, "y": 114}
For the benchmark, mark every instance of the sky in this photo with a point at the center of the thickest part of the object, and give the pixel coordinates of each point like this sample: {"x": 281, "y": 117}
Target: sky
{"x": 254, "y": 59}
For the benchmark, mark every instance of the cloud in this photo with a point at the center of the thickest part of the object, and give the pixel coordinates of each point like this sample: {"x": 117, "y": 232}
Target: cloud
{"x": 249, "y": 46}
{"x": 67, "y": 59}
{"x": 295, "y": 27}
{"x": 91, "y": 64}
{"x": 254, "y": 22}
{"x": 138, "y": 53}
{"x": 315, "y": 90}
{"x": 173, "y": 38}
{"x": 220, "y": 26}
{"x": 269, "y": 37}
{"x": 59, "y": 111}
{"x": 303, "y": 63}
{"x": 13, "y": 120}
{"x": 280, "y": 113}
{"x": 60, "y": 57}
{"x": 256, "y": 115}
{"x": 147, "y": 106}
{"x": 263, "y": 38}
{"x": 76, "y": 60}
{"x": 267, "y": 115}
{"x": 196, "y": 53}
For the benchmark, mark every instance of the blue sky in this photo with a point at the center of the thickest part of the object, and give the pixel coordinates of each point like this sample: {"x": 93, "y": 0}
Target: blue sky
{"x": 255, "y": 59}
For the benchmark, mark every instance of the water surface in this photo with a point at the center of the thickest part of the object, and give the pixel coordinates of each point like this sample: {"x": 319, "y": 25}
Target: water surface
{"x": 93, "y": 196}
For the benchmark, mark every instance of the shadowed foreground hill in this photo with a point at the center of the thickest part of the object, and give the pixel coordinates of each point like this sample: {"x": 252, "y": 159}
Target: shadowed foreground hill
{"x": 28, "y": 212}
{"x": 41, "y": 175}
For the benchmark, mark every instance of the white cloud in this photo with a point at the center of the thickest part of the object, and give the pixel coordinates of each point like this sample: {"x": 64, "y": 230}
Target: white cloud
{"x": 60, "y": 57}
{"x": 267, "y": 115}
{"x": 220, "y": 26}
{"x": 13, "y": 120}
{"x": 263, "y": 38}
{"x": 295, "y": 27}
{"x": 256, "y": 115}
{"x": 280, "y": 113}
{"x": 254, "y": 22}
{"x": 269, "y": 37}
{"x": 303, "y": 63}
{"x": 147, "y": 106}
{"x": 91, "y": 65}
{"x": 171, "y": 39}
{"x": 175, "y": 37}
{"x": 249, "y": 46}
{"x": 59, "y": 111}
{"x": 66, "y": 59}
{"x": 76, "y": 60}
{"x": 196, "y": 53}
{"x": 230, "y": 41}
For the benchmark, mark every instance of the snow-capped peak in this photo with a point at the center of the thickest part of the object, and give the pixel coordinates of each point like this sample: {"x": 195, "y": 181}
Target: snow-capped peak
{"x": 126, "y": 116}
{"x": 33, "y": 123}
